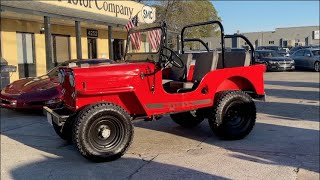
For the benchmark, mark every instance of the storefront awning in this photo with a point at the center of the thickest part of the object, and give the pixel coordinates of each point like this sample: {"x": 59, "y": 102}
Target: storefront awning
{"x": 98, "y": 11}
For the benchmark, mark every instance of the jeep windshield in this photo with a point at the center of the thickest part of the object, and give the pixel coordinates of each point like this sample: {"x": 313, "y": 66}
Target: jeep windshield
{"x": 144, "y": 43}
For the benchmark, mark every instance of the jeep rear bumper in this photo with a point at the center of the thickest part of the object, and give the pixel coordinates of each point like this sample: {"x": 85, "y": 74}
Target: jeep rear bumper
{"x": 58, "y": 116}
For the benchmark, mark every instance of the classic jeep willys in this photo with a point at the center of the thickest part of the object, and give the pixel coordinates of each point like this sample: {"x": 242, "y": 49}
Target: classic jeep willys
{"x": 153, "y": 80}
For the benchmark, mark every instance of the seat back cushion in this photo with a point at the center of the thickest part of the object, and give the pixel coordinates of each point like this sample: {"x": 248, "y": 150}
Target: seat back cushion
{"x": 179, "y": 74}
{"x": 205, "y": 63}
{"x": 234, "y": 59}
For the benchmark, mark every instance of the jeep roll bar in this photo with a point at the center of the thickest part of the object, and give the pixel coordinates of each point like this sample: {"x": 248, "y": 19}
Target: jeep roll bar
{"x": 201, "y": 24}
{"x": 199, "y": 40}
{"x": 246, "y": 40}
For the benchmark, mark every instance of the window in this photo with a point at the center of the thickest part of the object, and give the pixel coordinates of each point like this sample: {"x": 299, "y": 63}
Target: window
{"x": 0, "y": 46}
{"x": 316, "y": 52}
{"x": 299, "y": 53}
{"x": 61, "y": 48}
{"x": 307, "y": 52}
{"x": 26, "y": 55}
{"x": 25, "y": 46}
{"x": 271, "y": 42}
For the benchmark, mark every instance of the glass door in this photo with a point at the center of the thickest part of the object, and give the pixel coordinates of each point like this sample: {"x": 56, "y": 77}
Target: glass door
{"x": 26, "y": 55}
{"x": 92, "y": 48}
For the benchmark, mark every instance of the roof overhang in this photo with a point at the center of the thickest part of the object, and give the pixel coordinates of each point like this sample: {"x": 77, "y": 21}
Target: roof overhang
{"x": 102, "y": 12}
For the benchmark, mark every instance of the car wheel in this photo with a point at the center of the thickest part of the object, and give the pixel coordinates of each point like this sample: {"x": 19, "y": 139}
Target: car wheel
{"x": 234, "y": 115}
{"x": 65, "y": 131}
{"x": 188, "y": 119}
{"x": 102, "y": 132}
{"x": 317, "y": 66}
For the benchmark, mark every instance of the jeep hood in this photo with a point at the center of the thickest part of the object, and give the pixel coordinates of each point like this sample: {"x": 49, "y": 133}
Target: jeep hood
{"x": 109, "y": 76}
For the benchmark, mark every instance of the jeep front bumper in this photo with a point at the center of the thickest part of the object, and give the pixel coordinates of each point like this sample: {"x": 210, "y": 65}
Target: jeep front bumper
{"x": 58, "y": 116}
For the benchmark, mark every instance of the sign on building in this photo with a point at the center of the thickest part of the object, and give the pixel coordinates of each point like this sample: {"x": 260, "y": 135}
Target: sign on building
{"x": 92, "y": 33}
{"x": 148, "y": 14}
{"x": 316, "y": 34}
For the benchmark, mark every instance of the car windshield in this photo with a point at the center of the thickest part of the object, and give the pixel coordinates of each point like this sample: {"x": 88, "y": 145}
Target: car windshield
{"x": 144, "y": 41}
{"x": 316, "y": 52}
{"x": 269, "y": 54}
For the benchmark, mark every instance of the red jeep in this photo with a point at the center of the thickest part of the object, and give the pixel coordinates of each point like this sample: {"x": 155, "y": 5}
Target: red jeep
{"x": 101, "y": 102}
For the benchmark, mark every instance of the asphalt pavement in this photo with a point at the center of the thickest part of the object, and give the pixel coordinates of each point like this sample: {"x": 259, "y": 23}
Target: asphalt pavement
{"x": 284, "y": 144}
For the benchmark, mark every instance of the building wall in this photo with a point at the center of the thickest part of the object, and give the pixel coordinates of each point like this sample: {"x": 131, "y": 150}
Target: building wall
{"x": 300, "y": 35}
{"x": 9, "y": 28}
{"x": 293, "y": 35}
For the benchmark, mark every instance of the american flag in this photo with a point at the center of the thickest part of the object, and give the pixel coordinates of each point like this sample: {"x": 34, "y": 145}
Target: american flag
{"x": 134, "y": 37}
{"x": 155, "y": 38}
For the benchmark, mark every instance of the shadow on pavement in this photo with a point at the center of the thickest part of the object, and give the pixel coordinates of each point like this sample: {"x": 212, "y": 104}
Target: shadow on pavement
{"x": 124, "y": 168}
{"x": 59, "y": 160}
{"x": 278, "y": 145}
{"x": 294, "y": 94}
{"x": 290, "y": 111}
{"x": 293, "y": 84}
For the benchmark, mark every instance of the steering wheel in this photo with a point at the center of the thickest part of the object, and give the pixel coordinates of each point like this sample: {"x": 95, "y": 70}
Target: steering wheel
{"x": 171, "y": 60}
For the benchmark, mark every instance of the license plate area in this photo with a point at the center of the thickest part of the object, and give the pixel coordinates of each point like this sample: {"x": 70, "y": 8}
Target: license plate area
{"x": 49, "y": 118}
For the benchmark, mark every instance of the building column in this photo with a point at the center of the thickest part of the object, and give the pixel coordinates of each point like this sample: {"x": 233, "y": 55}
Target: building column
{"x": 78, "y": 40}
{"x": 110, "y": 42}
{"x": 48, "y": 42}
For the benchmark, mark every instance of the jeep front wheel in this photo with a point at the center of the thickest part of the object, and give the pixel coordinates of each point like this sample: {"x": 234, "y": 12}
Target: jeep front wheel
{"x": 103, "y": 132}
{"x": 234, "y": 115}
{"x": 187, "y": 119}
{"x": 65, "y": 131}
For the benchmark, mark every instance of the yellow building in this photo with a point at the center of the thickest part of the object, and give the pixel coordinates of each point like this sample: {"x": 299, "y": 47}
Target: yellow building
{"x": 37, "y": 35}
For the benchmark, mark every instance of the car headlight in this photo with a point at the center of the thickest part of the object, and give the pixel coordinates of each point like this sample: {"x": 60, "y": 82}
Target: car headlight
{"x": 13, "y": 103}
{"x": 72, "y": 80}
{"x": 292, "y": 61}
{"x": 61, "y": 76}
{"x": 273, "y": 62}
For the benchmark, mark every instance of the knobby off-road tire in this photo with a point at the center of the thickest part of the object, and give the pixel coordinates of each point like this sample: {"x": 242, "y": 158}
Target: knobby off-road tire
{"x": 187, "y": 119}
{"x": 102, "y": 132}
{"x": 234, "y": 115}
{"x": 65, "y": 131}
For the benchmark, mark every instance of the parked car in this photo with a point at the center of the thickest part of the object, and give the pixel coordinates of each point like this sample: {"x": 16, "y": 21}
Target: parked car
{"x": 284, "y": 52}
{"x": 307, "y": 58}
{"x": 238, "y": 50}
{"x": 274, "y": 48}
{"x": 274, "y": 61}
{"x": 294, "y": 49}
{"x": 278, "y": 49}
{"x": 35, "y": 92}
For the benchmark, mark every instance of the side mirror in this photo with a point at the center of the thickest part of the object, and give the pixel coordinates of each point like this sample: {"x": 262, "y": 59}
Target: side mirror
{"x": 308, "y": 55}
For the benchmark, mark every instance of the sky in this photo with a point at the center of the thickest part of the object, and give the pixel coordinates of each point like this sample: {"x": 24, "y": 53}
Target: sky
{"x": 252, "y": 16}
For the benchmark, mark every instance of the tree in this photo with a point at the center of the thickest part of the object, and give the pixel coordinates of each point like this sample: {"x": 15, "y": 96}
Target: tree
{"x": 178, "y": 13}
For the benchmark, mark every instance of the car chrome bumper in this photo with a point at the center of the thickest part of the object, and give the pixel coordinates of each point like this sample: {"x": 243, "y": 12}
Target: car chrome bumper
{"x": 281, "y": 67}
{"x": 58, "y": 116}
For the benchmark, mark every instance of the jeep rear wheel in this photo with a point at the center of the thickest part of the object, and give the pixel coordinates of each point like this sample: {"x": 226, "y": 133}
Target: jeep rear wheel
{"x": 103, "y": 132}
{"x": 234, "y": 115}
{"x": 187, "y": 119}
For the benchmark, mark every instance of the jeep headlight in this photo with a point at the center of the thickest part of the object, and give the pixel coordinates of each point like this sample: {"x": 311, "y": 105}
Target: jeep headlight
{"x": 72, "y": 80}
{"x": 61, "y": 76}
